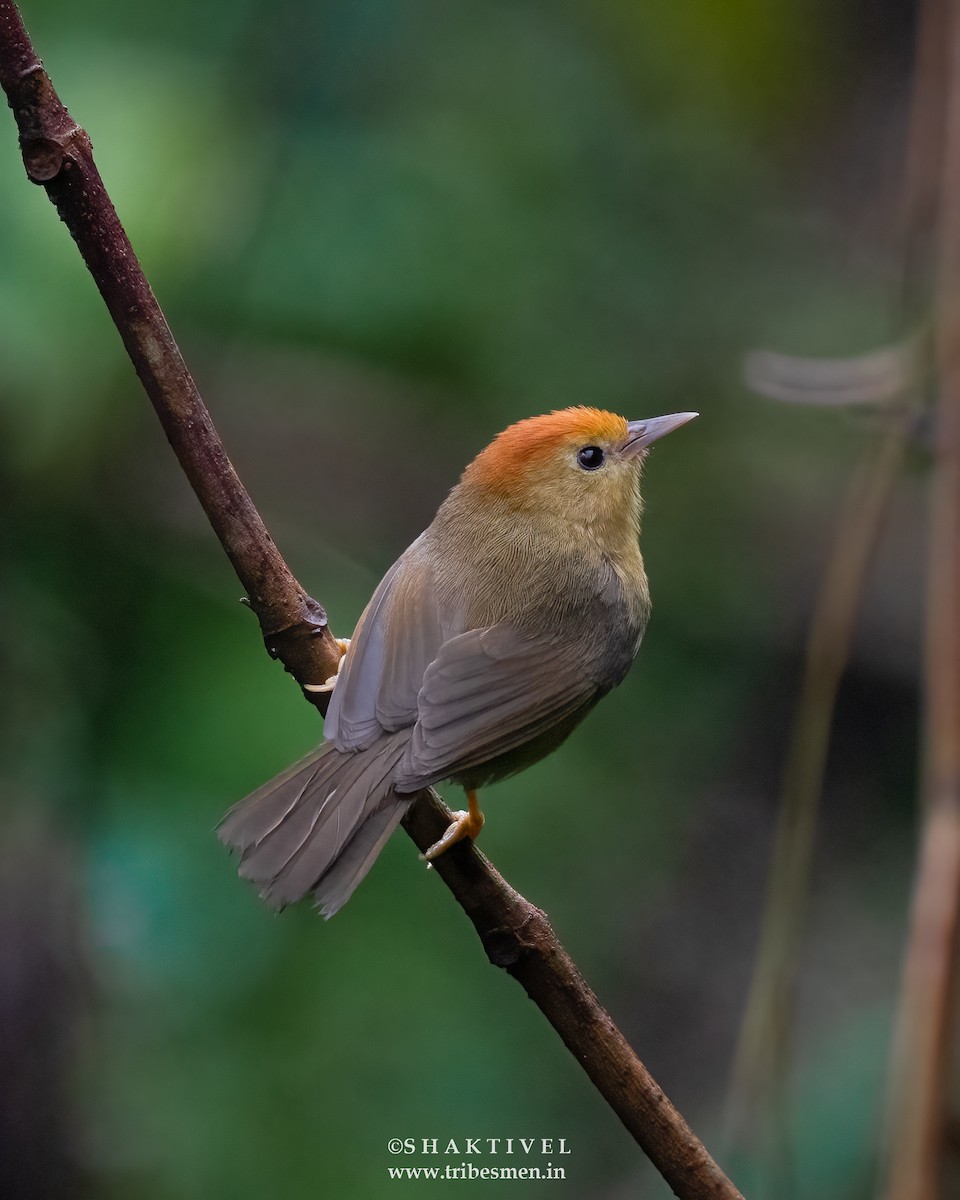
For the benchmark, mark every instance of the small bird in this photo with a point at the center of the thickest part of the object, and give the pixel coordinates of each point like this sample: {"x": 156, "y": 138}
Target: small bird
{"x": 484, "y": 645}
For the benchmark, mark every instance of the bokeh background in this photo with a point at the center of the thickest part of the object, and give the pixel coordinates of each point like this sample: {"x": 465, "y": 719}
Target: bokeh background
{"x": 381, "y": 232}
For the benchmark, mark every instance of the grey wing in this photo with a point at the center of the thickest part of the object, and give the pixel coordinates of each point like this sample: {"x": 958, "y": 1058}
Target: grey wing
{"x": 487, "y": 693}
{"x": 396, "y": 638}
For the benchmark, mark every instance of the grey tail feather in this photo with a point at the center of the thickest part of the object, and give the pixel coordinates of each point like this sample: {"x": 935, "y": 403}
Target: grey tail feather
{"x": 319, "y": 826}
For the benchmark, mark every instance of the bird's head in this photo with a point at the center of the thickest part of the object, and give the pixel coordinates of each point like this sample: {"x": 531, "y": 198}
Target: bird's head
{"x": 581, "y": 465}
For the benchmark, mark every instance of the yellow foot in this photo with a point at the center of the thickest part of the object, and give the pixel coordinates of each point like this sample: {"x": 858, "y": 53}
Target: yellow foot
{"x": 467, "y": 824}
{"x": 329, "y": 684}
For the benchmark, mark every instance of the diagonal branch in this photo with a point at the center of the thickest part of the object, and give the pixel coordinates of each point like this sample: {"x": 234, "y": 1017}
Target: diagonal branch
{"x": 57, "y": 154}
{"x": 516, "y": 935}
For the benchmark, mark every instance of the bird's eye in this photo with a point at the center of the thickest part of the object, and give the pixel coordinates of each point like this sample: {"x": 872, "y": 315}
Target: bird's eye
{"x": 590, "y": 457}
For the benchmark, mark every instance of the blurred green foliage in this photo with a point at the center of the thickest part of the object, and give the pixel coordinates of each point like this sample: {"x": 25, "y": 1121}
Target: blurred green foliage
{"x": 381, "y": 232}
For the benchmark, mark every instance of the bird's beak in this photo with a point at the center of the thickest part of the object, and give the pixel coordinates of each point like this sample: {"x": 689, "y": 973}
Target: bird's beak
{"x": 641, "y": 434}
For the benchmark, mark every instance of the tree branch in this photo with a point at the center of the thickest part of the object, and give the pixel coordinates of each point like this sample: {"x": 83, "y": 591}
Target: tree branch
{"x": 516, "y": 935}
{"x": 57, "y": 154}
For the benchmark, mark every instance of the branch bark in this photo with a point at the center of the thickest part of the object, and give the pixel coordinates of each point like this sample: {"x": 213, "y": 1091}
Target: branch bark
{"x": 515, "y": 934}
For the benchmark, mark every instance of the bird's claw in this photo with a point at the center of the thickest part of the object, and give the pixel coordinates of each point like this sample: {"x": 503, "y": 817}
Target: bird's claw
{"x": 331, "y": 682}
{"x": 466, "y": 824}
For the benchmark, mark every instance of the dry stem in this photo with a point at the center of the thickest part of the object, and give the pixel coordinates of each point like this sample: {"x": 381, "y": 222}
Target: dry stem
{"x": 926, "y": 1019}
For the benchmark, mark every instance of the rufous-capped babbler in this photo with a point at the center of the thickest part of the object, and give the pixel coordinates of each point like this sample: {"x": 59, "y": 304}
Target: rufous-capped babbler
{"x": 487, "y": 641}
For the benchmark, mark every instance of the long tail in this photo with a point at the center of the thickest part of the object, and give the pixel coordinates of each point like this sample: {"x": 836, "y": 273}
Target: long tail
{"x": 319, "y": 826}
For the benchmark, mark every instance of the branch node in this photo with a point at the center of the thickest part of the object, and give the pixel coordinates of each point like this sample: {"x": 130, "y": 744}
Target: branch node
{"x": 505, "y": 946}
{"x": 42, "y": 158}
{"x": 277, "y": 640}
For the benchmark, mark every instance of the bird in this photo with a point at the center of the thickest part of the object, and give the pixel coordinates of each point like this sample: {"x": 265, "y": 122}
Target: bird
{"x": 491, "y": 637}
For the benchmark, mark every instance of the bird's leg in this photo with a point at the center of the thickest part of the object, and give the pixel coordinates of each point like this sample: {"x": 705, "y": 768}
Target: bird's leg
{"x": 467, "y": 824}
{"x": 329, "y": 684}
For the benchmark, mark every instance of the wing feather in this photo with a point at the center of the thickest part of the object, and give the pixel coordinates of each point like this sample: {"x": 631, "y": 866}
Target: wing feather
{"x": 397, "y": 637}
{"x": 469, "y": 696}
{"x": 487, "y": 693}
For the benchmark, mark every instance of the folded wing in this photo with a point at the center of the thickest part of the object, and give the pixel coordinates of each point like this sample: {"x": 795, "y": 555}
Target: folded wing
{"x": 396, "y": 638}
{"x": 487, "y": 693}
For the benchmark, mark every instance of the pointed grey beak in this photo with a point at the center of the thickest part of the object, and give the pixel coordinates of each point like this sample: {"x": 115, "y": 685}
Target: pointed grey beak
{"x": 644, "y": 433}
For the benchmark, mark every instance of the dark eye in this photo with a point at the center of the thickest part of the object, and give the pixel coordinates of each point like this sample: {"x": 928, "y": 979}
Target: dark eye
{"x": 590, "y": 457}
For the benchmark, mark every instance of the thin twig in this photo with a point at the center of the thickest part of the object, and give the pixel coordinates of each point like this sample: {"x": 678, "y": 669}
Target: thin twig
{"x": 515, "y": 934}
{"x": 922, "y": 177}
{"x": 761, "y": 1063}
{"x": 763, "y": 1049}
{"x": 926, "y": 1019}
